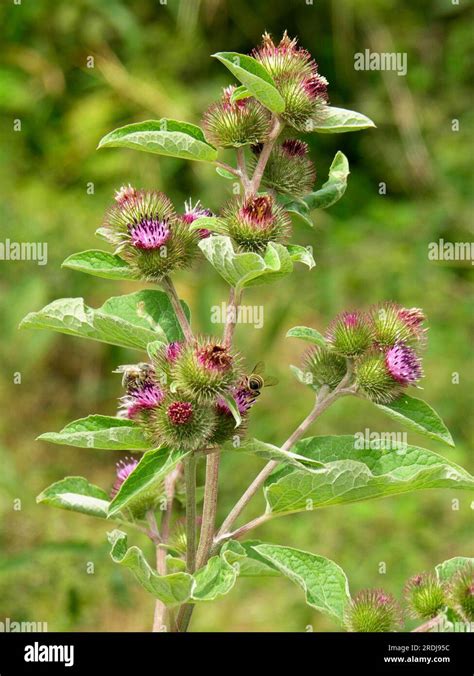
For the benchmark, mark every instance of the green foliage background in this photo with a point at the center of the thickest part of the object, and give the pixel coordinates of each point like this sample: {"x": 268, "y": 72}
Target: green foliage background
{"x": 152, "y": 60}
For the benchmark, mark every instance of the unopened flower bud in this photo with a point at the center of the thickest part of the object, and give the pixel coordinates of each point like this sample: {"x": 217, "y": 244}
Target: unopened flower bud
{"x": 324, "y": 367}
{"x": 374, "y": 379}
{"x": 349, "y": 334}
{"x": 204, "y": 370}
{"x": 289, "y": 170}
{"x": 236, "y": 123}
{"x": 255, "y": 222}
{"x": 461, "y": 593}
{"x": 425, "y": 596}
{"x": 182, "y": 423}
{"x": 373, "y": 610}
{"x": 296, "y": 76}
{"x": 393, "y": 324}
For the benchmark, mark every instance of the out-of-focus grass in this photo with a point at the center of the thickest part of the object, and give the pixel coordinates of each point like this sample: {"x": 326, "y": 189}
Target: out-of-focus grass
{"x": 152, "y": 60}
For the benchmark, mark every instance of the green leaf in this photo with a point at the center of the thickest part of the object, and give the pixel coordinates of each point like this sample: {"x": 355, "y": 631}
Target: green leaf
{"x": 219, "y": 575}
{"x": 145, "y": 479}
{"x": 233, "y": 408}
{"x": 447, "y": 570}
{"x": 255, "y": 78}
{"x": 133, "y": 320}
{"x": 417, "y": 415}
{"x": 100, "y": 431}
{"x": 216, "y": 578}
{"x": 270, "y": 452}
{"x": 163, "y": 137}
{"x": 323, "y": 581}
{"x": 338, "y": 120}
{"x": 248, "y": 268}
{"x": 172, "y": 589}
{"x": 307, "y": 334}
{"x": 254, "y": 565}
{"x": 100, "y": 264}
{"x": 301, "y": 254}
{"x": 335, "y": 186}
{"x": 225, "y": 174}
{"x": 77, "y": 495}
{"x": 352, "y": 474}
{"x": 240, "y": 93}
{"x": 208, "y": 223}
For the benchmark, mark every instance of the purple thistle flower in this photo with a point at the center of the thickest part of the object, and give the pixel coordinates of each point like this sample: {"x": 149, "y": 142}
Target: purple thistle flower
{"x": 243, "y": 398}
{"x": 294, "y": 147}
{"x": 403, "y": 364}
{"x": 142, "y": 397}
{"x": 180, "y": 412}
{"x": 124, "y": 469}
{"x": 192, "y": 213}
{"x": 149, "y": 233}
{"x": 173, "y": 351}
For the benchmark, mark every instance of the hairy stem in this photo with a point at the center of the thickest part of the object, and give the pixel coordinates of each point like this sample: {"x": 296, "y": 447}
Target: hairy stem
{"x": 231, "y": 320}
{"x": 209, "y": 509}
{"x": 170, "y": 290}
{"x": 227, "y": 167}
{"x": 431, "y": 624}
{"x": 244, "y": 178}
{"x": 264, "y": 155}
{"x": 323, "y": 401}
{"x": 190, "y": 481}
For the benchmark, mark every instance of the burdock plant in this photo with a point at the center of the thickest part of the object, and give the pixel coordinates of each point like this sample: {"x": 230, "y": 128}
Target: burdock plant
{"x": 188, "y": 398}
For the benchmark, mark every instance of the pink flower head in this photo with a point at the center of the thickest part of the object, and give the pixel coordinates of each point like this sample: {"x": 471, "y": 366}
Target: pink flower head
{"x": 316, "y": 86}
{"x": 149, "y": 234}
{"x": 243, "y": 398}
{"x": 227, "y": 102}
{"x": 192, "y": 213}
{"x": 403, "y": 364}
{"x": 142, "y": 397}
{"x": 124, "y": 469}
{"x": 413, "y": 318}
{"x": 126, "y": 195}
{"x": 173, "y": 350}
{"x": 180, "y": 412}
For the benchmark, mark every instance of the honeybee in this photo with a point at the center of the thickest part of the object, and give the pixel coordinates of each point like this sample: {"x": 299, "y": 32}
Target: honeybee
{"x": 257, "y": 379}
{"x": 134, "y": 375}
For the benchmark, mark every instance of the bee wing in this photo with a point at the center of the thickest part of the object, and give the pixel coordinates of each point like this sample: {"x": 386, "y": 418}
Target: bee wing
{"x": 259, "y": 368}
{"x": 270, "y": 381}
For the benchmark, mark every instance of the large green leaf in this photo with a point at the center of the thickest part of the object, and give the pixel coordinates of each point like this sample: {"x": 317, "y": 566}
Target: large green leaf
{"x": 352, "y": 474}
{"x": 215, "y": 579}
{"x": 133, "y": 320}
{"x": 77, "y": 495}
{"x": 163, "y": 137}
{"x": 448, "y": 569}
{"x": 172, "y": 589}
{"x": 335, "y": 186}
{"x": 100, "y": 431}
{"x": 145, "y": 479}
{"x": 337, "y": 120}
{"x": 248, "y": 268}
{"x": 307, "y": 334}
{"x": 323, "y": 581}
{"x": 270, "y": 452}
{"x": 254, "y": 565}
{"x": 417, "y": 415}
{"x": 100, "y": 264}
{"x": 254, "y": 77}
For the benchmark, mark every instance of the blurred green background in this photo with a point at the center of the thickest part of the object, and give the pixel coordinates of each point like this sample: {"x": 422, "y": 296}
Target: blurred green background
{"x": 152, "y": 60}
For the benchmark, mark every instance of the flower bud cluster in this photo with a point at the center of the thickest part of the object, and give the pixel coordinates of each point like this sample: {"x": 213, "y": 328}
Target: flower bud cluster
{"x": 296, "y": 76}
{"x": 180, "y": 398}
{"x": 383, "y": 346}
